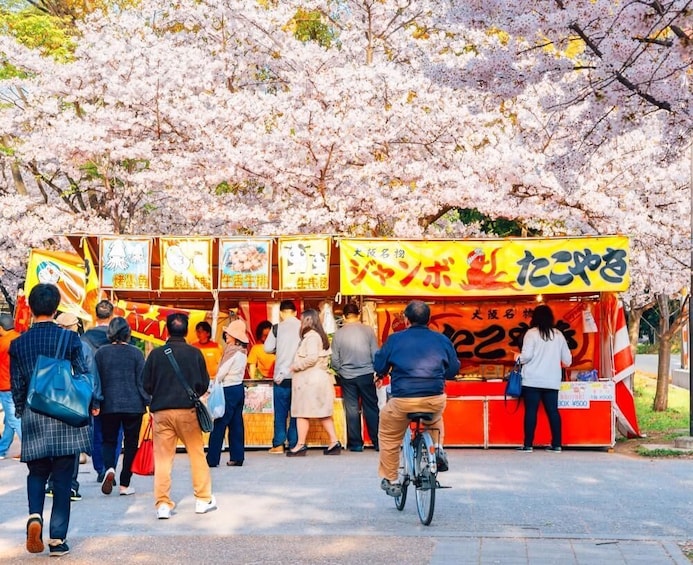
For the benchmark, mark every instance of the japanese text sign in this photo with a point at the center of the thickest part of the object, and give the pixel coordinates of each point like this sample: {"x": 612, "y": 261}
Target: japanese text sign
{"x": 304, "y": 263}
{"x": 375, "y": 267}
{"x": 245, "y": 264}
{"x": 186, "y": 263}
{"x": 126, "y": 263}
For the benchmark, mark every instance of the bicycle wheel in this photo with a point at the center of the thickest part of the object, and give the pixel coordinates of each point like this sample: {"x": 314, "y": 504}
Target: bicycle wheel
{"x": 403, "y": 479}
{"x": 425, "y": 484}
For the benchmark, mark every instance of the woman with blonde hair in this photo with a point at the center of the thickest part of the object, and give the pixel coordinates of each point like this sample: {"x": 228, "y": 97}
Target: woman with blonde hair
{"x": 312, "y": 388}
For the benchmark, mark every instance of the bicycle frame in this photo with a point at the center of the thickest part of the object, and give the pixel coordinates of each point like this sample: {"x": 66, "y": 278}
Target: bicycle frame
{"x": 409, "y": 443}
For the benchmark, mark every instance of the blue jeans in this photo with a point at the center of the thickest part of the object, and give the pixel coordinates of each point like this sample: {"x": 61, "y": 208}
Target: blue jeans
{"x": 549, "y": 398}
{"x": 12, "y": 423}
{"x": 232, "y": 420}
{"x": 282, "y": 407}
{"x": 97, "y": 446}
{"x": 361, "y": 389}
{"x": 61, "y": 469}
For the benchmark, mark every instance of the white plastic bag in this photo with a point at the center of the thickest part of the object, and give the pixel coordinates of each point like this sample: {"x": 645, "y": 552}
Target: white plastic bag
{"x": 216, "y": 403}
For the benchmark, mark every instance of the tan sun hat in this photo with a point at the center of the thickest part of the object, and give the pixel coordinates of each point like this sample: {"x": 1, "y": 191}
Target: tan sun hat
{"x": 237, "y": 330}
{"x": 67, "y": 320}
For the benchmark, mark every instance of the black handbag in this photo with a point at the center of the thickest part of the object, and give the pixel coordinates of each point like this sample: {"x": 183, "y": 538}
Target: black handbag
{"x": 55, "y": 391}
{"x": 204, "y": 418}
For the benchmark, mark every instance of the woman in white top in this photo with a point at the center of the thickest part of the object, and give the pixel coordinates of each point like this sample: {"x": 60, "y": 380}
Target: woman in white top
{"x": 544, "y": 351}
{"x": 230, "y": 375}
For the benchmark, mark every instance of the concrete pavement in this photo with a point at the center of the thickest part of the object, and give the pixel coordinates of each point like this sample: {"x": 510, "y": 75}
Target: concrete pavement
{"x": 582, "y": 507}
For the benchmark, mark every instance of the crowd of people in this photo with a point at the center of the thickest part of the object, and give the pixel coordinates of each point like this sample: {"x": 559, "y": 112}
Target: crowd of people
{"x": 297, "y": 354}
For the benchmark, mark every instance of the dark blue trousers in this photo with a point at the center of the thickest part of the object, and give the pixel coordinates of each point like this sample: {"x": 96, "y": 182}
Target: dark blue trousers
{"x": 61, "y": 469}
{"x": 359, "y": 394}
{"x": 282, "y": 408}
{"x": 549, "y": 398}
{"x": 232, "y": 420}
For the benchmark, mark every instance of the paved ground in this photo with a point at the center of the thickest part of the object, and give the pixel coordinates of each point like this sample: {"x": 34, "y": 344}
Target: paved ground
{"x": 580, "y": 507}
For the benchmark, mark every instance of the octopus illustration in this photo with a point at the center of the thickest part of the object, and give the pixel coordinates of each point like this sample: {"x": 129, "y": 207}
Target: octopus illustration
{"x": 478, "y": 279}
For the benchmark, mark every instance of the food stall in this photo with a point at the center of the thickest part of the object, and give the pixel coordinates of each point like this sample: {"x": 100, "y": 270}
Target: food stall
{"x": 481, "y": 293}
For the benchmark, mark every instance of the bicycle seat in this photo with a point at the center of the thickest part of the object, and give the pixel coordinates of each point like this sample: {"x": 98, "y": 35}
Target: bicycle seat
{"x": 425, "y": 416}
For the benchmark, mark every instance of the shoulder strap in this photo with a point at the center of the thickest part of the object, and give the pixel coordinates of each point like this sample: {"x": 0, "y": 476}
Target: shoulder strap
{"x": 191, "y": 393}
{"x": 62, "y": 344}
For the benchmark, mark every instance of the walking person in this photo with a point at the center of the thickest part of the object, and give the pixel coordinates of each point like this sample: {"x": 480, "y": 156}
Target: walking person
{"x": 230, "y": 377}
{"x": 124, "y": 402}
{"x": 419, "y": 361}
{"x": 353, "y": 348}
{"x": 96, "y": 337}
{"x": 174, "y": 416}
{"x": 313, "y": 388}
{"x": 12, "y": 424}
{"x": 49, "y": 446}
{"x": 284, "y": 342}
{"x": 544, "y": 352}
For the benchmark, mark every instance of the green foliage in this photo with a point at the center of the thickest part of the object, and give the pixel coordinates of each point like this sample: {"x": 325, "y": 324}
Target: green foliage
{"x": 310, "y": 26}
{"x": 50, "y": 35}
{"x": 674, "y": 418}
{"x": 501, "y": 227}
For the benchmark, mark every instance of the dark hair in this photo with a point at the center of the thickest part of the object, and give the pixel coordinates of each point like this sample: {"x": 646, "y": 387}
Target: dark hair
{"x": 418, "y": 313}
{"x": 542, "y": 319}
{"x": 104, "y": 310}
{"x": 261, "y": 327}
{"x": 310, "y": 320}
{"x": 118, "y": 330}
{"x": 350, "y": 308}
{"x": 177, "y": 324}
{"x": 287, "y": 305}
{"x": 44, "y": 299}
{"x": 204, "y": 326}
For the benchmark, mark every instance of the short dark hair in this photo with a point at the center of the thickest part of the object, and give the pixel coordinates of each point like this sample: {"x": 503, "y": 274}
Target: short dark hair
{"x": 104, "y": 310}
{"x": 44, "y": 299}
{"x": 204, "y": 326}
{"x": 287, "y": 305}
{"x": 119, "y": 330}
{"x": 351, "y": 309}
{"x": 418, "y": 313}
{"x": 177, "y": 324}
{"x": 261, "y": 327}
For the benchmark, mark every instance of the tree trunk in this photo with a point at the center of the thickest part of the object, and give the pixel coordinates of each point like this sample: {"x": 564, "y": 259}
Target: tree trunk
{"x": 661, "y": 399}
{"x": 634, "y": 317}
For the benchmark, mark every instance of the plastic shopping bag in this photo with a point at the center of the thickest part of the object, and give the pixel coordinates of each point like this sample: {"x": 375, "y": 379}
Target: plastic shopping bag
{"x": 216, "y": 402}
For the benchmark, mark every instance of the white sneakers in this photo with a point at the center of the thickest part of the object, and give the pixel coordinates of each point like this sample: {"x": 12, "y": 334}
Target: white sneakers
{"x": 126, "y": 491}
{"x": 202, "y": 507}
{"x": 163, "y": 511}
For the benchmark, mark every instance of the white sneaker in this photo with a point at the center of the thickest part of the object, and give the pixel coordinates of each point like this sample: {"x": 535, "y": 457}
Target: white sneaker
{"x": 202, "y": 507}
{"x": 126, "y": 491}
{"x": 163, "y": 512}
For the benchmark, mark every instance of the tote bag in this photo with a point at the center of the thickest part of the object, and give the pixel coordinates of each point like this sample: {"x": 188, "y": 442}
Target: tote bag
{"x": 143, "y": 463}
{"x": 56, "y": 392}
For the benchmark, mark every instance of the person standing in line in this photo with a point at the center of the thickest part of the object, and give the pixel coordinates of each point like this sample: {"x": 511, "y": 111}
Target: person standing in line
{"x": 284, "y": 342}
{"x": 312, "y": 392}
{"x": 353, "y": 348}
{"x": 96, "y": 337}
{"x": 211, "y": 350}
{"x": 544, "y": 352}
{"x": 124, "y": 402}
{"x": 230, "y": 377}
{"x": 174, "y": 416}
{"x": 419, "y": 361}
{"x": 49, "y": 446}
{"x": 260, "y": 363}
{"x": 69, "y": 321}
{"x": 12, "y": 424}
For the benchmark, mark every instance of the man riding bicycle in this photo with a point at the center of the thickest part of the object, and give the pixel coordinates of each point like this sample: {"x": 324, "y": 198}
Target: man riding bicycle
{"x": 419, "y": 360}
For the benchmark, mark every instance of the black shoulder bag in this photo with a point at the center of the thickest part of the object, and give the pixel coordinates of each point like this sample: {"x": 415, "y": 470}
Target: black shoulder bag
{"x": 203, "y": 416}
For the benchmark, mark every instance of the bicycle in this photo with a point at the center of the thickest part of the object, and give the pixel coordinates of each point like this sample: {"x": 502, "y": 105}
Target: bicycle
{"x": 418, "y": 466}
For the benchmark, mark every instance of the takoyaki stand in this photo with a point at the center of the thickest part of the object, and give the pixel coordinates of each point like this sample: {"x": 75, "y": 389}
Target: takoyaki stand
{"x": 481, "y": 294}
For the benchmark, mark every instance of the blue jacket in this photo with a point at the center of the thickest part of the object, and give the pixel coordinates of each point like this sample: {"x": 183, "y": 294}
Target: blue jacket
{"x": 419, "y": 361}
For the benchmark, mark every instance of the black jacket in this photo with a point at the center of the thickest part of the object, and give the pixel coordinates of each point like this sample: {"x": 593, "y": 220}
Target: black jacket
{"x": 160, "y": 379}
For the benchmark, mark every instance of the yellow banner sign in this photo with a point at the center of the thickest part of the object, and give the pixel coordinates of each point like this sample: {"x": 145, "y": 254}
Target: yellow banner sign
{"x": 186, "y": 263}
{"x": 376, "y": 267}
{"x": 304, "y": 263}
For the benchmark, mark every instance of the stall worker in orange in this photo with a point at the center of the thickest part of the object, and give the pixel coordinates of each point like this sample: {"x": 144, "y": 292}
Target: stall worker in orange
{"x": 261, "y": 363}
{"x": 211, "y": 350}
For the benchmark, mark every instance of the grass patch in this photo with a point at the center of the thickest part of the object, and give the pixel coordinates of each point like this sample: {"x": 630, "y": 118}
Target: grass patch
{"x": 671, "y": 423}
{"x": 659, "y": 452}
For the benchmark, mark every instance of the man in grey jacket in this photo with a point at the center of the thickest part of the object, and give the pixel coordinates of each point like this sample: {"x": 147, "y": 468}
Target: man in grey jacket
{"x": 284, "y": 340}
{"x": 353, "y": 348}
